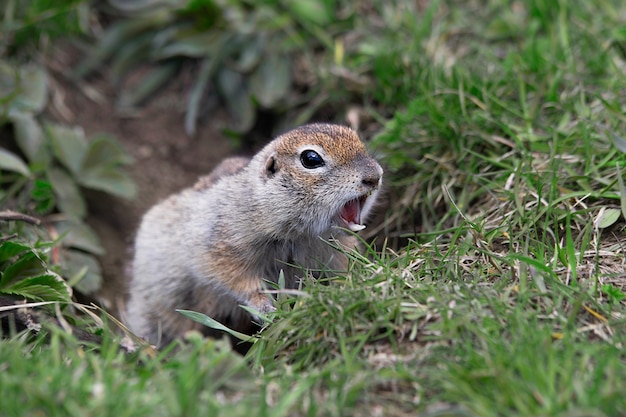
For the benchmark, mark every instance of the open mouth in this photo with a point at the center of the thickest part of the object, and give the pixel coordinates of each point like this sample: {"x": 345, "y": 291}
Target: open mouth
{"x": 350, "y": 213}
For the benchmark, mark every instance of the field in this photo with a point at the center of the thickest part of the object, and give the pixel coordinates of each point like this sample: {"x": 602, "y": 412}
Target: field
{"x": 493, "y": 281}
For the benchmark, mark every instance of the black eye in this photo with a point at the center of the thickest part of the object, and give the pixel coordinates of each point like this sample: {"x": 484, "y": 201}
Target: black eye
{"x": 311, "y": 159}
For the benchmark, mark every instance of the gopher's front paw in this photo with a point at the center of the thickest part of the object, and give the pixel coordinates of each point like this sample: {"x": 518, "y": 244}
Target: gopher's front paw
{"x": 262, "y": 303}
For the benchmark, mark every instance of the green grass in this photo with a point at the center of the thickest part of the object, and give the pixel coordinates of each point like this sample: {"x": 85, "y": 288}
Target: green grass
{"x": 501, "y": 290}
{"x": 60, "y": 377}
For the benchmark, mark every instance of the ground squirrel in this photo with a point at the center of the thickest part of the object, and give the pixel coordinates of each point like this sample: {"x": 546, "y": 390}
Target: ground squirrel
{"x": 210, "y": 247}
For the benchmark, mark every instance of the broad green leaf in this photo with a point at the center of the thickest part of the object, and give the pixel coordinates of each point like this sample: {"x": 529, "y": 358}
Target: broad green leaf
{"x": 607, "y": 218}
{"x": 47, "y": 287}
{"x": 113, "y": 39}
{"x": 103, "y": 151}
{"x": 131, "y": 97}
{"x": 80, "y": 236}
{"x": 618, "y": 141}
{"x": 272, "y": 79}
{"x": 195, "y": 45}
{"x": 251, "y": 55}
{"x": 111, "y": 180}
{"x": 614, "y": 293}
{"x": 69, "y": 198}
{"x": 10, "y": 248}
{"x": 32, "y": 89}
{"x": 69, "y": 145}
{"x": 206, "y": 72}
{"x": 25, "y": 88}
{"x": 11, "y": 162}
{"x": 43, "y": 196}
{"x": 312, "y": 12}
{"x": 234, "y": 92}
{"x": 74, "y": 263}
{"x": 28, "y": 265}
{"x": 30, "y": 138}
{"x": 133, "y": 53}
{"x": 8, "y": 84}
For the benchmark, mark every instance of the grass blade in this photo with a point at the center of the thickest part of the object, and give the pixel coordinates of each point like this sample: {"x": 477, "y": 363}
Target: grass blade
{"x": 214, "y": 324}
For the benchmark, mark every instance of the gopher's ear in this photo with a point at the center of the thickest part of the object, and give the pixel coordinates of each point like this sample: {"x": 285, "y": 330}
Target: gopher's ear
{"x": 271, "y": 166}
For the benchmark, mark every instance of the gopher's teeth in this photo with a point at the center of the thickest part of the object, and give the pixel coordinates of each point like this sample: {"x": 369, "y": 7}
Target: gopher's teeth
{"x": 356, "y": 227}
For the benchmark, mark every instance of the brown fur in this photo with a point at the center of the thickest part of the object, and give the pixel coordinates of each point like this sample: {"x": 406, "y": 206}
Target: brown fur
{"x": 226, "y": 168}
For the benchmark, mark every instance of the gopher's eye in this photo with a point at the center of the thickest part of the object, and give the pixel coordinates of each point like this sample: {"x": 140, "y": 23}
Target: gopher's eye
{"x": 311, "y": 159}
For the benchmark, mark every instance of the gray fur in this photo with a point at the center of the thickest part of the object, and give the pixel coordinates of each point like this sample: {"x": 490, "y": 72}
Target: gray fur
{"x": 210, "y": 247}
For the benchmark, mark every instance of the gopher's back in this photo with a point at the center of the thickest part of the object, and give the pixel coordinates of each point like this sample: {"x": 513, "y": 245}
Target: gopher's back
{"x": 167, "y": 242}
{"x": 158, "y": 269}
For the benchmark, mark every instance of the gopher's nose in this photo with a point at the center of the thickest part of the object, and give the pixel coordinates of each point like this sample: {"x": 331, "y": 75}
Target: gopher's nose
{"x": 371, "y": 178}
{"x": 371, "y": 181}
